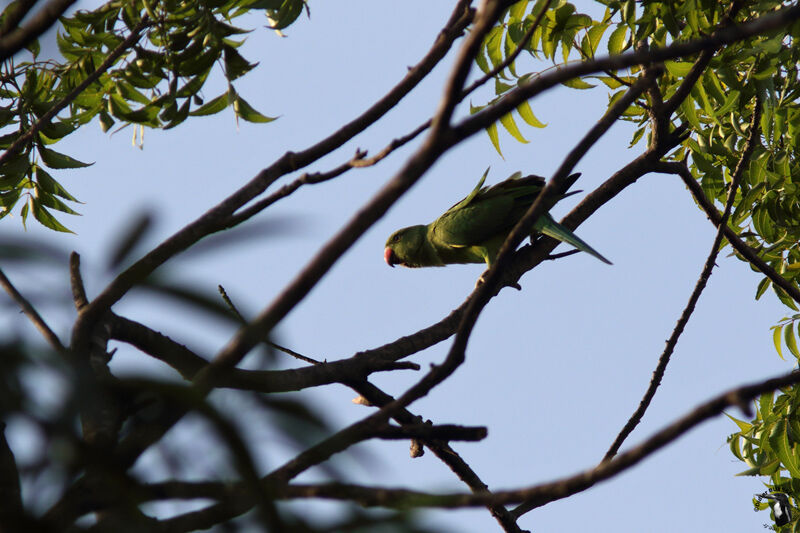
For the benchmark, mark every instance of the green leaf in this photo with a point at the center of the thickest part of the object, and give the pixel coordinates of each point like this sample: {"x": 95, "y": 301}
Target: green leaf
{"x": 53, "y": 202}
{"x": 46, "y": 219}
{"x": 55, "y": 159}
{"x": 246, "y": 111}
{"x": 577, "y": 83}
{"x": 744, "y": 427}
{"x": 288, "y": 13}
{"x": 106, "y": 122}
{"x": 779, "y": 442}
{"x": 618, "y": 39}
{"x": 491, "y": 130}
{"x": 49, "y": 185}
{"x": 527, "y": 115}
{"x": 687, "y": 106}
{"x": 765, "y": 404}
{"x": 731, "y": 101}
{"x": 510, "y": 125}
{"x": 595, "y": 34}
{"x": 776, "y": 340}
{"x": 679, "y": 69}
{"x": 214, "y": 106}
{"x": 494, "y": 45}
{"x": 235, "y": 65}
{"x": 57, "y": 129}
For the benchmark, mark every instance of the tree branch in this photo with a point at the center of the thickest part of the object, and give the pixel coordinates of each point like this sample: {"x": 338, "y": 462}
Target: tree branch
{"x": 19, "y": 38}
{"x": 738, "y": 244}
{"x": 188, "y": 363}
{"x": 32, "y": 314}
{"x": 444, "y": 432}
{"x": 537, "y": 495}
{"x": 658, "y": 373}
{"x": 215, "y": 218}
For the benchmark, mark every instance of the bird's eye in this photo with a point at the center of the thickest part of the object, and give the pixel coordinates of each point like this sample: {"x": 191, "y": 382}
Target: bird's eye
{"x": 396, "y": 238}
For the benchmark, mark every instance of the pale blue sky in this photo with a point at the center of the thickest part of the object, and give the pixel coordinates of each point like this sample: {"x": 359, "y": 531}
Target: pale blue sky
{"x": 553, "y": 371}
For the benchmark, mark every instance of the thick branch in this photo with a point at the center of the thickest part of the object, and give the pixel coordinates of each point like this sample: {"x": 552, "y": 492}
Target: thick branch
{"x": 445, "y": 432}
{"x": 188, "y": 363}
{"x": 19, "y": 38}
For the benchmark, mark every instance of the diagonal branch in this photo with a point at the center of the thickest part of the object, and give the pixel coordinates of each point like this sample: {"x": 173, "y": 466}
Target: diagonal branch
{"x": 736, "y": 242}
{"x": 658, "y": 373}
{"x": 21, "y": 37}
{"x": 31, "y": 313}
{"x": 215, "y": 218}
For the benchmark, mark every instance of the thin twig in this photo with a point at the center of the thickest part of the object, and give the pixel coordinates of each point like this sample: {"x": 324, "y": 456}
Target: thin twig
{"x": 268, "y": 342}
{"x": 31, "y": 313}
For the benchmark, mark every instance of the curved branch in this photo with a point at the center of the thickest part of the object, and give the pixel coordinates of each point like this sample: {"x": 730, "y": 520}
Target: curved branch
{"x": 188, "y": 363}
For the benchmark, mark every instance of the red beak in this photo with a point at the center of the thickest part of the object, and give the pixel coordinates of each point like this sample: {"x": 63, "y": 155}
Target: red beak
{"x": 389, "y": 257}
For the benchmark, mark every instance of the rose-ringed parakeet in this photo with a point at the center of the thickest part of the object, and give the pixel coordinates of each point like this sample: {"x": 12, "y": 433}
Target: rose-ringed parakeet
{"x": 473, "y": 230}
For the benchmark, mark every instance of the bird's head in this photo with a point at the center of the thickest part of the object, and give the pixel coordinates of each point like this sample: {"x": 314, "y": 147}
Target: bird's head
{"x": 404, "y": 246}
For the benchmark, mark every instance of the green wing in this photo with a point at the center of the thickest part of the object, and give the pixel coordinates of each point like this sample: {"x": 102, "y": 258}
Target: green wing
{"x": 486, "y": 212}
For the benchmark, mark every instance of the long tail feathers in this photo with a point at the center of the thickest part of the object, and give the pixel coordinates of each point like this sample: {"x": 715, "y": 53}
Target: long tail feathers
{"x": 553, "y": 229}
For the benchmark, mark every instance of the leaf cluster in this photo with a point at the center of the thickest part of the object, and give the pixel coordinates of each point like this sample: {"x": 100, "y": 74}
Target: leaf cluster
{"x": 770, "y": 446}
{"x": 146, "y": 63}
{"x": 715, "y": 113}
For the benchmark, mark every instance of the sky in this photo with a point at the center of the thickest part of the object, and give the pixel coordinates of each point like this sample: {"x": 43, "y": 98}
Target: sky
{"x": 553, "y": 371}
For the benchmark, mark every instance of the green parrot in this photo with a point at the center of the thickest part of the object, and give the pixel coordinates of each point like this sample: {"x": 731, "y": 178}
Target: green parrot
{"x": 473, "y": 230}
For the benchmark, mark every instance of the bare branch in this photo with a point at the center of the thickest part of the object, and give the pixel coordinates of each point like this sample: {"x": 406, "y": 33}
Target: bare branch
{"x": 266, "y": 341}
{"x": 537, "y": 495}
{"x": 445, "y": 432}
{"x": 76, "y": 282}
{"x": 658, "y": 373}
{"x": 31, "y": 313}
{"x": 188, "y": 363}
